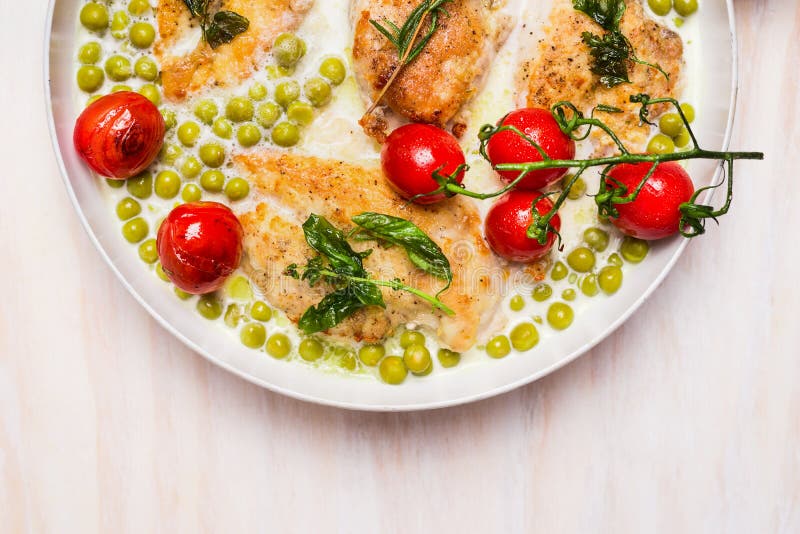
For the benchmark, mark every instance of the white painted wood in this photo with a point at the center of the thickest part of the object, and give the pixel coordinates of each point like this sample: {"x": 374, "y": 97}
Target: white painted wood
{"x": 686, "y": 420}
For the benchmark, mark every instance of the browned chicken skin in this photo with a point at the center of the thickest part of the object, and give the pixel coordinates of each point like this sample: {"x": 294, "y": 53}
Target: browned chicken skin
{"x": 229, "y": 64}
{"x": 560, "y": 68}
{"x": 291, "y": 187}
{"x": 448, "y": 73}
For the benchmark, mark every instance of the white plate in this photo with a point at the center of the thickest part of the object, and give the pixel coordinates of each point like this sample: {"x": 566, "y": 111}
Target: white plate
{"x": 711, "y": 67}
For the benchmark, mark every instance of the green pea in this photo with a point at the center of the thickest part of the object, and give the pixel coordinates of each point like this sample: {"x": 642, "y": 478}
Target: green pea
{"x": 498, "y": 347}
{"x": 678, "y": 22}
{"x": 610, "y": 279}
{"x": 257, "y": 92}
{"x": 212, "y": 154}
{"x": 142, "y": 35}
{"x": 596, "y": 238}
{"x": 288, "y": 49}
{"x": 237, "y": 189}
{"x": 542, "y": 292}
{"x": 569, "y": 294}
{"x": 276, "y": 71}
{"x": 524, "y": 337}
{"x": 393, "y": 371}
{"x": 181, "y": 294}
{"x": 170, "y": 118}
{"x": 253, "y": 335}
{"x": 634, "y": 250}
{"x": 560, "y": 316}
{"x": 146, "y": 69}
{"x": 206, "y": 110}
{"x": 346, "y": 359}
{"x": 238, "y": 287}
{"x": 151, "y": 93}
{"x": 94, "y": 16}
{"x": 448, "y": 358}
{"x": 688, "y": 112}
{"x": 188, "y": 132}
{"x": 318, "y": 92}
{"x": 119, "y": 22}
{"x": 191, "y": 193}
{"x": 212, "y": 181}
{"x": 135, "y": 230}
{"x": 559, "y": 271}
{"x": 127, "y": 208}
{"x": 90, "y": 78}
{"x": 333, "y": 69}
{"x": 90, "y": 53}
{"x": 286, "y": 93}
{"x": 233, "y": 316}
{"x": 239, "y": 109}
{"x": 114, "y": 183}
{"x": 661, "y": 144}
{"x": 248, "y": 135}
{"x": 170, "y": 153}
{"x": 614, "y": 259}
{"x": 191, "y": 167}
{"x": 371, "y": 354}
{"x": 670, "y": 124}
{"x": 683, "y": 138}
{"x": 268, "y": 114}
{"x": 138, "y": 7}
{"x": 589, "y": 285}
{"x": 285, "y": 134}
{"x": 300, "y": 113}
{"x": 310, "y": 349}
{"x": 410, "y": 337}
{"x": 517, "y": 303}
{"x": 577, "y": 190}
{"x": 573, "y": 277}
{"x": 261, "y": 312}
{"x": 279, "y": 346}
{"x": 418, "y": 359}
{"x": 168, "y": 184}
{"x": 685, "y": 8}
{"x": 140, "y": 186}
{"x": 210, "y": 307}
{"x": 660, "y": 7}
{"x": 120, "y": 88}
{"x": 160, "y": 273}
{"x": 148, "y": 251}
{"x": 581, "y": 259}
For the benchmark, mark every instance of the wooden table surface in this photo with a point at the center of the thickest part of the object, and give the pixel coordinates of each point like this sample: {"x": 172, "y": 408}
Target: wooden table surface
{"x": 685, "y": 420}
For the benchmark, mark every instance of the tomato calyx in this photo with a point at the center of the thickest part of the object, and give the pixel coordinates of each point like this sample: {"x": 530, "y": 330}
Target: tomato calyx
{"x": 447, "y": 182}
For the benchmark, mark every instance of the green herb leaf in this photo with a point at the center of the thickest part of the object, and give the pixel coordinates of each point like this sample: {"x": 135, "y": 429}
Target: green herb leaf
{"x": 224, "y": 27}
{"x": 607, "y": 13}
{"x": 421, "y": 249}
{"x": 333, "y": 309}
{"x": 611, "y": 54}
{"x": 198, "y": 8}
{"x": 331, "y": 243}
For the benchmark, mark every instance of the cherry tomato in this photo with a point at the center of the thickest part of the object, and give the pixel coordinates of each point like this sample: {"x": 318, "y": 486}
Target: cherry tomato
{"x": 200, "y": 245}
{"x": 655, "y": 213}
{"x": 412, "y": 153}
{"x": 507, "y": 224}
{"x": 119, "y": 135}
{"x": 508, "y": 147}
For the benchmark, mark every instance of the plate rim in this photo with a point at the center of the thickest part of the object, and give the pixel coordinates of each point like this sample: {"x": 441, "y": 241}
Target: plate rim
{"x": 356, "y": 406}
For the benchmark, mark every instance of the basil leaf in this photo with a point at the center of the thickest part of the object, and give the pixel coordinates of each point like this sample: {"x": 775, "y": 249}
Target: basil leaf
{"x": 224, "y": 27}
{"x": 421, "y": 249}
{"x": 607, "y": 13}
{"x": 611, "y": 54}
{"x": 198, "y": 8}
{"x": 331, "y": 243}
{"x": 338, "y": 306}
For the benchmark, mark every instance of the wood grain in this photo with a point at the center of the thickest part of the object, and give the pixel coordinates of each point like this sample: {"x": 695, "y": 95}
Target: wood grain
{"x": 686, "y": 420}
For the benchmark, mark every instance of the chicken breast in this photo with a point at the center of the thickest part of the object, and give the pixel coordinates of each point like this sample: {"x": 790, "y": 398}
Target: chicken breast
{"x": 184, "y": 72}
{"x": 291, "y": 187}
{"x": 559, "y": 69}
{"x": 434, "y": 87}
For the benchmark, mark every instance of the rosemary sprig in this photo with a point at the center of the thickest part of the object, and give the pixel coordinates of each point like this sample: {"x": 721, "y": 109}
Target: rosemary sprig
{"x": 407, "y": 39}
{"x": 578, "y": 127}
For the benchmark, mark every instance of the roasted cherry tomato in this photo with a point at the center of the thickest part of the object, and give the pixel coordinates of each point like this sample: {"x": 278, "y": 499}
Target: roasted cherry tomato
{"x": 412, "y": 153}
{"x": 119, "y": 135}
{"x": 655, "y": 213}
{"x": 200, "y": 245}
{"x": 507, "y": 225}
{"x": 509, "y": 147}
